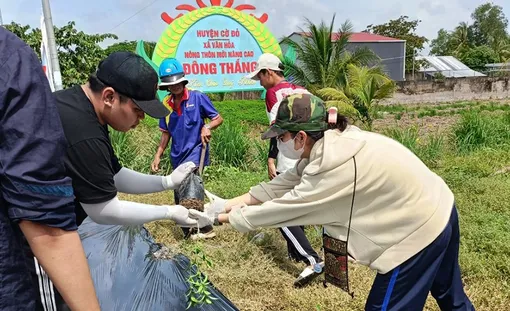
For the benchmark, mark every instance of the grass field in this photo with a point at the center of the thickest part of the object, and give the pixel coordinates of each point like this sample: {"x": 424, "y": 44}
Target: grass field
{"x": 466, "y": 143}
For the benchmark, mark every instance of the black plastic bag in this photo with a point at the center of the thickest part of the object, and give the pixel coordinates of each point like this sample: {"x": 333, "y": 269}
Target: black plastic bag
{"x": 191, "y": 193}
{"x": 131, "y": 272}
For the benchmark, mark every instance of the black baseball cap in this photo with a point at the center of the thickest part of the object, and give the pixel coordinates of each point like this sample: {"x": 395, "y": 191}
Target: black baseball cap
{"x": 130, "y": 75}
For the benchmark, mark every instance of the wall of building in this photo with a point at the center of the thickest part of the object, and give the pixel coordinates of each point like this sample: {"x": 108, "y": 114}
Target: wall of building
{"x": 392, "y": 54}
{"x": 448, "y": 90}
{"x": 415, "y": 92}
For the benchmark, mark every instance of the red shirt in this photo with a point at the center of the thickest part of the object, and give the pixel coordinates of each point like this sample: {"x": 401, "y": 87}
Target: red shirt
{"x": 277, "y": 93}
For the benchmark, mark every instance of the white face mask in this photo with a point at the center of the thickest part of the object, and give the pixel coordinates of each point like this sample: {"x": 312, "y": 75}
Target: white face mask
{"x": 287, "y": 149}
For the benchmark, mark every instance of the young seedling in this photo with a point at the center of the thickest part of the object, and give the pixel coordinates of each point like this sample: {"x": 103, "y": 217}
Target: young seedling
{"x": 198, "y": 293}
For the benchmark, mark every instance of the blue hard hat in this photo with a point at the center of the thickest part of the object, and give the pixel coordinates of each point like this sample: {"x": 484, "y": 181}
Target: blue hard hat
{"x": 171, "y": 73}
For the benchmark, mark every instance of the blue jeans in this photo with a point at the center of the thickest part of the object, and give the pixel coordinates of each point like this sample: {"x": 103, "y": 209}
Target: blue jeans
{"x": 435, "y": 269}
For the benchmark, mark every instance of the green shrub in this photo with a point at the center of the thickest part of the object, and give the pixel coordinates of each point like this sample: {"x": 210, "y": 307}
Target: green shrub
{"x": 230, "y": 145}
{"x": 428, "y": 150}
{"x": 476, "y": 130}
{"x": 406, "y": 136}
{"x": 121, "y": 147}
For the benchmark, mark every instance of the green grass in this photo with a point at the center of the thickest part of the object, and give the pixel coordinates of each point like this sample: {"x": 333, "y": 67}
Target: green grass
{"x": 448, "y": 109}
{"x": 467, "y": 157}
{"x": 476, "y": 130}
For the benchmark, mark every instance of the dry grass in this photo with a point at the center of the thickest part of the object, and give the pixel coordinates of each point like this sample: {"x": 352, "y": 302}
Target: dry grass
{"x": 257, "y": 276}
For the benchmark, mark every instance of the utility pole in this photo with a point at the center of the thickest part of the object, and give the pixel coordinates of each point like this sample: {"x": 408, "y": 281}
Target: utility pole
{"x": 1, "y": 20}
{"x": 57, "y": 77}
{"x": 414, "y": 52}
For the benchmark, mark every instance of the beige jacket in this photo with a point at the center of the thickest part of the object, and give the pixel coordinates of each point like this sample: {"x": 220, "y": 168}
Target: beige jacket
{"x": 400, "y": 205}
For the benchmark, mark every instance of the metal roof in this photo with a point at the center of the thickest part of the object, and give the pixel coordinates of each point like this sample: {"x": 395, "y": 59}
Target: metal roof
{"x": 448, "y": 66}
{"x": 357, "y": 37}
{"x": 498, "y": 65}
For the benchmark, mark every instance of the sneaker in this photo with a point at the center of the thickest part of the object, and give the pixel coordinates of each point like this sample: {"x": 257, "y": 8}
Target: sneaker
{"x": 308, "y": 275}
{"x": 203, "y": 236}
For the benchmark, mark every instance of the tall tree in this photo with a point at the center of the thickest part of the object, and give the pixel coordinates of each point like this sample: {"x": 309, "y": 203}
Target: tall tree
{"x": 78, "y": 53}
{"x": 130, "y": 46}
{"x": 442, "y": 44}
{"x": 489, "y": 25}
{"x": 322, "y": 57}
{"x": 461, "y": 38}
{"x": 466, "y": 42}
{"x": 404, "y": 29}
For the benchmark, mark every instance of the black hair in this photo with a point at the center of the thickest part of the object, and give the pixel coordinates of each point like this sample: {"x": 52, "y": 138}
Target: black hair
{"x": 278, "y": 73}
{"x": 97, "y": 86}
{"x": 341, "y": 124}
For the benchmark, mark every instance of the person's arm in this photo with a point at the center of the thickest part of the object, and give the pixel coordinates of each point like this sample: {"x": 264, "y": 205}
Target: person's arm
{"x": 208, "y": 111}
{"x": 271, "y": 158}
{"x": 37, "y": 193}
{"x": 61, "y": 254}
{"x": 306, "y": 204}
{"x": 95, "y": 179}
{"x": 276, "y": 188}
{"x": 132, "y": 182}
{"x": 117, "y": 212}
{"x": 271, "y": 102}
{"x": 163, "y": 144}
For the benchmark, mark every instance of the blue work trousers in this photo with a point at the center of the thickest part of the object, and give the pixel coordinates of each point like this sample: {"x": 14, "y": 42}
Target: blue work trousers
{"x": 435, "y": 269}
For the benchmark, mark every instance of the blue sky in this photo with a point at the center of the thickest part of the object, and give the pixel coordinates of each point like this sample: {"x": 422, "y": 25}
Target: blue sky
{"x": 285, "y": 16}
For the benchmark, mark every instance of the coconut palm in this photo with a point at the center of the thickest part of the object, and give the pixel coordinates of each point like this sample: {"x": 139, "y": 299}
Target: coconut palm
{"x": 363, "y": 89}
{"x": 322, "y": 57}
{"x": 460, "y": 38}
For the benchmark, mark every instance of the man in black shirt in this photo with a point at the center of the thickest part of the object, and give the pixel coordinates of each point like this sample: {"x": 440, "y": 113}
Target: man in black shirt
{"x": 36, "y": 198}
{"x": 118, "y": 95}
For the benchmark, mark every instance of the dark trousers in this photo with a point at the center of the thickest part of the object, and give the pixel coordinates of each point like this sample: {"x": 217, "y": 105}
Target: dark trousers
{"x": 435, "y": 269}
{"x": 298, "y": 246}
{"x": 188, "y": 231}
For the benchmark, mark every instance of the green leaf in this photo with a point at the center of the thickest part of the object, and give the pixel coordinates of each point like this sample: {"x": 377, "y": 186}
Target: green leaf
{"x": 330, "y": 93}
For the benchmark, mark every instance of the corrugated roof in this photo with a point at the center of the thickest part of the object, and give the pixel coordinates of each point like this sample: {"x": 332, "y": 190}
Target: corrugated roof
{"x": 358, "y": 37}
{"x": 448, "y": 66}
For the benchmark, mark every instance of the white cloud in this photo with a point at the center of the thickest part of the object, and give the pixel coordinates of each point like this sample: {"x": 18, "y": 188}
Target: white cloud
{"x": 285, "y": 16}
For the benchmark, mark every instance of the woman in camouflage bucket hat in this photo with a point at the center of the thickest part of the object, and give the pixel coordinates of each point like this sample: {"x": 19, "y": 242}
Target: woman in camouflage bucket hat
{"x": 374, "y": 198}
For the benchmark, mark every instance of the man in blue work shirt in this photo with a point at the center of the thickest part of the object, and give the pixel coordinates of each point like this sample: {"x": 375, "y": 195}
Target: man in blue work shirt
{"x": 36, "y": 198}
{"x": 185, "y": 125}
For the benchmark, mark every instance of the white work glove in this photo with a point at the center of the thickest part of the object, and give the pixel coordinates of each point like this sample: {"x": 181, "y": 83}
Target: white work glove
{"x": 201, "y": 218}
{"x": 215, "y": 206}
{"x": 174, "y": 180}
{"x": 205, "y": 219}
{"x": 181, "y": 216}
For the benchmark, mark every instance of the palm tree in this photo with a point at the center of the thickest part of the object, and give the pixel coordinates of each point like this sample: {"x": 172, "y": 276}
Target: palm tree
{"x": 363, "y": 89}
{"x": 460, "y": 38}
{"x": 323, "y": 57}
{"x": 502, "y": 49}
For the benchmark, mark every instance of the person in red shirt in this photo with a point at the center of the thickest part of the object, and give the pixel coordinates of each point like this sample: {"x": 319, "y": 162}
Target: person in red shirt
{"x": 269, "y": 72}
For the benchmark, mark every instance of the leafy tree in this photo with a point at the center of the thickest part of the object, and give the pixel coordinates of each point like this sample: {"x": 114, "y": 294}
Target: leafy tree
{"x": 130, "y": 46}
{"x": 323, "y": 57}
{"x": 404, "y": 29}
{"x": 476, "y": 58}
{"x": 489, "y": 24}
{"x": 32, "y": 37}
{"x": 78, "y": 53}
{"x": 442, "y": 45}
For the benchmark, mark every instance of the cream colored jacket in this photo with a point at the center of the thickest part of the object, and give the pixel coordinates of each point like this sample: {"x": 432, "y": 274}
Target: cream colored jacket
{"x": 400, "y": 205}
